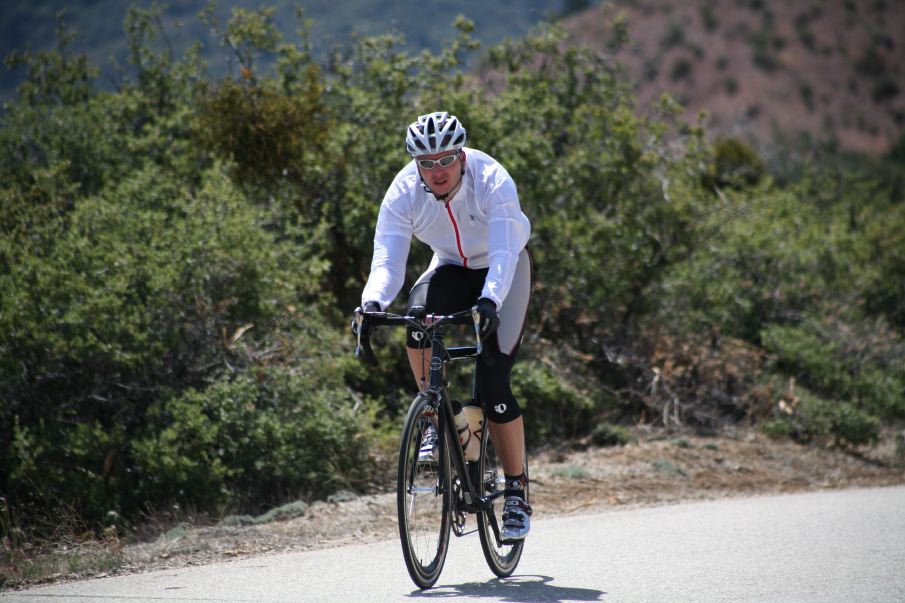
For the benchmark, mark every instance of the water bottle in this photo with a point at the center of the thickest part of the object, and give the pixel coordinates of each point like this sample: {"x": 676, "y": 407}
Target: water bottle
{"x": 471, "y": 445}
{"x": 475, "y": 417}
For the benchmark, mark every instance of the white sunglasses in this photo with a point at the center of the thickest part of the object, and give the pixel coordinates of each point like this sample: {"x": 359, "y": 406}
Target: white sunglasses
{"x": 445, "y": 161}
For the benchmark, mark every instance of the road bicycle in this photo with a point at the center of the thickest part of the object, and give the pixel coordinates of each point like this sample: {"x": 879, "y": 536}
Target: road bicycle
{"x": 436, "y": 497}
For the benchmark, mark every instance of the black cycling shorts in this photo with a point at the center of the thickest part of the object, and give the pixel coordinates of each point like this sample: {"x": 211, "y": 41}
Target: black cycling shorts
{"x": 450, "y": 288}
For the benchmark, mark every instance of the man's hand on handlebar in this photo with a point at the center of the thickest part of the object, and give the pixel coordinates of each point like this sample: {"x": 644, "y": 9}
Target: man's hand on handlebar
{"x": 490, "y": 320}
{"x": 486, "y": 322}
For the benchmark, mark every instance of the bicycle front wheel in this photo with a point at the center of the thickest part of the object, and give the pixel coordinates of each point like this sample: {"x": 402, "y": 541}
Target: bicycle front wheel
{"x": 423, "y": 496}
{"x": 502, "y": 557}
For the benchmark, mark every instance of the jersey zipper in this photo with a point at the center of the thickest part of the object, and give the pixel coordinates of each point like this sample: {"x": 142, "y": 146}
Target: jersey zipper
{"x": 456, "y": 229}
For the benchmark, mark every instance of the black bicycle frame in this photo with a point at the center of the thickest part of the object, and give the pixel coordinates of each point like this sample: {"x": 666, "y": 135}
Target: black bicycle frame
{"x": 437, "y": 390}
{"x": 474, "y": 502}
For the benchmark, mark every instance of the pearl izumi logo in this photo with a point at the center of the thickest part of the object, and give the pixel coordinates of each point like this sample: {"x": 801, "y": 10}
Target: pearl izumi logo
{"x": 417, "y": 335}
{"x": 500, "y": 408}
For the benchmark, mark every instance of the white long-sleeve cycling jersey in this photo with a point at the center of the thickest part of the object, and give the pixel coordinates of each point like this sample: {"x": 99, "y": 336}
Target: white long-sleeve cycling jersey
{"x": 482, "y": 226}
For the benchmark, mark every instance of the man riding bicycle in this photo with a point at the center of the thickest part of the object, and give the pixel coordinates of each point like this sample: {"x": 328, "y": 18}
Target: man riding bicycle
{"x": 464, "y": 205}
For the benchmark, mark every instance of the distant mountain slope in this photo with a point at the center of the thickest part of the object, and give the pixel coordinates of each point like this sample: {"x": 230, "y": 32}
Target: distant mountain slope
{"x": 425, "y": 24}
{"x": 834, "y": 69}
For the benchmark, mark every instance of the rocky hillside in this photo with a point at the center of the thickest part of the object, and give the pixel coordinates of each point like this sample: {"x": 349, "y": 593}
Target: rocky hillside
{"x": 832, "y": 69}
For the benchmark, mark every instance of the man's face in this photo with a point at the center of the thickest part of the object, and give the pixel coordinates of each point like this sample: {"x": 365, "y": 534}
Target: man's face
{"x": 441, "y": 179}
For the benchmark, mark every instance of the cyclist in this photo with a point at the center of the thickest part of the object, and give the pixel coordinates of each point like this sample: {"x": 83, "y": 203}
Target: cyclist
{"x": 464, "y": 205}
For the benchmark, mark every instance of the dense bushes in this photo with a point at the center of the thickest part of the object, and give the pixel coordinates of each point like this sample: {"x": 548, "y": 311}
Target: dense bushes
{"x": 837, "y": 362}
{"x": 180, "y": 257}
{"x": 147, "y": 291}
{"x": 799, "y": 272}
{"x": 558, "y": 409}
{"x": 261, "y": 439}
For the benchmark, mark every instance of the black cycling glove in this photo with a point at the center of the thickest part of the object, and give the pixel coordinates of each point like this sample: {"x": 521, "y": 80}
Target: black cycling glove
{"x": 490, "y": 320}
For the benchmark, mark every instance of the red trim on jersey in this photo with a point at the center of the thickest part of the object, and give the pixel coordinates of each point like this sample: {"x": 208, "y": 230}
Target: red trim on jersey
{"x": 458, "y": 240}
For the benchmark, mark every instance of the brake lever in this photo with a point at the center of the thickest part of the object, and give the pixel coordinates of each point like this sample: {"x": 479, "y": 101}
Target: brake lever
{"x": 363, "y": 350}
{"x": 476, "y": 317}
{"x": 357, "y": 321}
{"x": 482, "y": 349}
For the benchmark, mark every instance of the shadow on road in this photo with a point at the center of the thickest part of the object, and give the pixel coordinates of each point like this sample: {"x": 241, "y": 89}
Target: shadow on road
{"x": 514, "y": 589}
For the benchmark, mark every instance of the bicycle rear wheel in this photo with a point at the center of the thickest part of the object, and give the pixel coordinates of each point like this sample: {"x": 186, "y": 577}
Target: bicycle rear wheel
{"x": 423, "y": 497}
{"x": 502, "y": 557}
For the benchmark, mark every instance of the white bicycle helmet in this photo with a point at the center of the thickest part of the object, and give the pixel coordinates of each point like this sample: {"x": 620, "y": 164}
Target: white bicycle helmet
{"x": 434, "y": 133}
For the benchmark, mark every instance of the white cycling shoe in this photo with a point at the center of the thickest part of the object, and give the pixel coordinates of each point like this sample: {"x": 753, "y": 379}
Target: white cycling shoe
{"x": 516, "y": 519}
{"x": 429, "y": 452}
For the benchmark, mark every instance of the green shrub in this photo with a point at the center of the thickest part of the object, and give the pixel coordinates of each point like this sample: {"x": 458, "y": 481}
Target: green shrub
{"x": 674, "y": 36}
{"x": 807, "y": 95}
{"x": 781, "y": 428}
{"x": 608, "y": 434}
{"x": 763, "y": 53}
{"x": 708, "y": 16}
{"x": 731, "y": 86}
{"x": 259, "y": 440}
{"x": 150, "y": 289}
{"x": 268, "y": 134}
{"x": 283, "y": 512}
{"x": 864, "y": 369}
{"x": 553, "y": 408}
{"x": 872, "y": 63}
{"x": 681, "y": 70}
{"x": 884, "y": 90}
{"x": 734, "y": 165}
{"x": 669, "y": 468}
{"x": 771, "y": 255}
{"x": 816, "y": 420}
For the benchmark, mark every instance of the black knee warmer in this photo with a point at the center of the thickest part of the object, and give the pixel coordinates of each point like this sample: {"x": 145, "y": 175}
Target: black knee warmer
{"x": 502, "y": 406}
{"x": 504, "y": 412}
{"x": 492, "y": 383}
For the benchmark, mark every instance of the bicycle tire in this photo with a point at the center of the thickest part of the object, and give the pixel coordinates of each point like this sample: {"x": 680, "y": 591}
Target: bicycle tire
{"x": 423, "y": 498}
{"x": 502, "y": 557}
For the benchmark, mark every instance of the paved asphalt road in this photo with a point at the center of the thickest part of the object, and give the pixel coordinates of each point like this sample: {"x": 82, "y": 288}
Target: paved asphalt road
{"x": 825, "y": 546}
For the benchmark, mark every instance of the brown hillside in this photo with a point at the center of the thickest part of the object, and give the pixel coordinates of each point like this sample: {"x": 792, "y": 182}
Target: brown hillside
{"x": 834, "y": 69}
